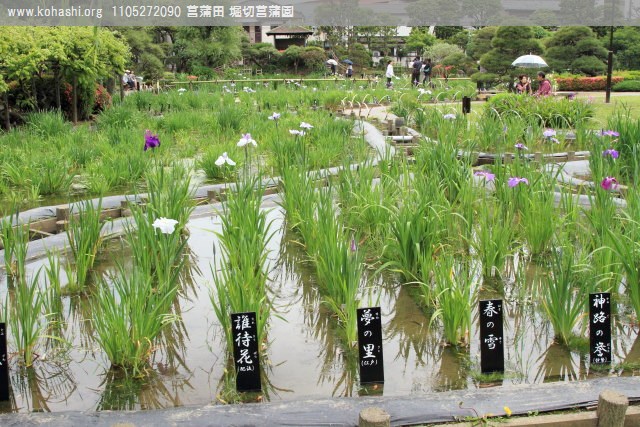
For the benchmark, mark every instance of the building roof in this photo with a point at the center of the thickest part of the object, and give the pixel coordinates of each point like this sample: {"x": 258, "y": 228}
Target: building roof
{"x": 288, "y": 30}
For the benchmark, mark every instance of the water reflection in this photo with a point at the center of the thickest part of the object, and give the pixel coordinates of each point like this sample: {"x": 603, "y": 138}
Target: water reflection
{"x": 454, "y": 369}
{"x": 410, "y": 327}
{"x": 558, "y": 364}
{"x": 124, "y": 392}
{"x": 40, "y": 385}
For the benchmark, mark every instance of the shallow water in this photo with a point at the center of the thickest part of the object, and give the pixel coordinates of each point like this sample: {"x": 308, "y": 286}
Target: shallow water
{"x": 304, "y": 357}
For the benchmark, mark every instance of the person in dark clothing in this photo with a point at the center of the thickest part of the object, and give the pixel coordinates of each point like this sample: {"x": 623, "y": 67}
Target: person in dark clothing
{"x": 426, "y": 70}
{"x": 415, "y": 73}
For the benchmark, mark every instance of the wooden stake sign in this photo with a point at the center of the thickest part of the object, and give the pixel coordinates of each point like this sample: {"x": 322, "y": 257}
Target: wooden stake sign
{"x": 245, "y": 351}
{"x": 600, "y": 328}
{"x": 370, "y": 345}
{"x": 491, "y": 336}
{"x": 466, "y": 105}
{"x": 4, "y": 364}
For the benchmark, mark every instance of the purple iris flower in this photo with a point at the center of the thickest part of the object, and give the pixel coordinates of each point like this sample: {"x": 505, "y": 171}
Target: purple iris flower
{"x": 609, "y": 183}
{"x": 548, "y": 133}
{"x": 488, "y": 176}
{"x": 353, "y": 245}
{"x": 614, "y": 154}
{"x": 520, "y": 146}
{"x": 514, "y": 180}
{"x": 150, "y": 140}
{"x": 609, "y": 133}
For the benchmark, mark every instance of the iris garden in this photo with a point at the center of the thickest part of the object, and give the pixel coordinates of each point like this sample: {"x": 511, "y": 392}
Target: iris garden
{"x": 424, "y": 233}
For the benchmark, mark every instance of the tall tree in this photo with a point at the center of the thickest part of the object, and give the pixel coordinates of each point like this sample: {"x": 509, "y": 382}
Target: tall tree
{"x": 508, "y": 44}
{"x": 576, "y": 49}
{"x": 419, "y": 40}
{"x": 626, "y": 46}
{"x": 208, "y": 47}
{"x": 481, "y": 42}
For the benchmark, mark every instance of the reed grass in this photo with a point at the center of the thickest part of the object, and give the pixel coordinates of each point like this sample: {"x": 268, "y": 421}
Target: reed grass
{"x": 417, "y": 229}
{"x": 26, "y": 320}
{"x": 84, "y": 234}
{"x": 129, "y": 318}
{"x": 493, "y": 239}
{"x": 339, "y": 266}
{"x": 14, "y": 242}
{"x": 240, "y": 284}
{"x": 455, "y": 296}
{"x": 563, "y": 295}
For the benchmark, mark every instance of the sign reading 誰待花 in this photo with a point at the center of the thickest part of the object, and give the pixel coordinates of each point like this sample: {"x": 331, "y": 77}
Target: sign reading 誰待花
{"x": 491, "y": 336}
{"x": 245, "y": 351}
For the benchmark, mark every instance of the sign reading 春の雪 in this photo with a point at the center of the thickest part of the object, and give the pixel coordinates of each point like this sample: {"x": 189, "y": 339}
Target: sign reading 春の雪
{"x": 4, "y": 365}
{"x": 370, "y": 345}
{"x": 491, "y": 336}
{"x": 600, "y": 328}
{"x": 245, "y": 351}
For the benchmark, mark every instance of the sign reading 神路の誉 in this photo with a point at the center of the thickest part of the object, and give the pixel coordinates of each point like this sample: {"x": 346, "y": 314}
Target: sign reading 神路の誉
{"x": 245, "y": 351}
{"x": 370, "y": 345}
{"x": 600, "y": 328}
{"x": 491, "y": 336}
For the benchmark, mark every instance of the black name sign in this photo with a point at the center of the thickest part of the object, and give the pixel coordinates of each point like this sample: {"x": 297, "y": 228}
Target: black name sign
{"x": 600, "y": 328}
{"x": 491, "y": 336}
{"x": 4, "y": 364}
{"x": 245, "y": 351}
{"x": 370, "y": 345}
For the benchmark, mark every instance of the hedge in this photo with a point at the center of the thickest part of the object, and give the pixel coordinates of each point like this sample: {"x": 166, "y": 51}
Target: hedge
{"x": 627, "y": 86}
{"x": 585, "y": 83}
{"x": 547, "y": 111}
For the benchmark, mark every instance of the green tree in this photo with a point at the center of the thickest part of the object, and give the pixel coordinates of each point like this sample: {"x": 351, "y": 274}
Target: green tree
{"x": 439, "y": 51}
{"x": 626, "y": 46}
{"x": 264, "y": 55}
{"x": 314, "y": 58}
{"x": 577, "y": 50}
{"x": 206, "y": 47}
{"x": 293, "y": 56}
{"x": 481, "y": 42}
{"x": 419, "y": 40}
{"x": 148, "y": 51}
{"x": 444, "y": 32}
{"x": 508, "y": 44}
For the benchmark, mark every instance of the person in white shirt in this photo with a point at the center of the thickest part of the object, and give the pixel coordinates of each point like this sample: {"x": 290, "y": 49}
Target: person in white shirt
{"x": 390, "y": 73}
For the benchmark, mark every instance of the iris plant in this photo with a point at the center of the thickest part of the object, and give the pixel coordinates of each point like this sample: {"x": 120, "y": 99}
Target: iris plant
{"x": 224, "y": 159}
{"x": 514, "y": 181}
{"x": 609, "y": 183}
{"x": 488, "y": 176}
{"x": 150, "y": 140}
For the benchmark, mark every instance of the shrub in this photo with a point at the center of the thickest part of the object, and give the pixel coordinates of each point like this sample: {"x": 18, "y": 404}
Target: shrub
{"x": 627, "y": 86}
{"x": 584, "y": 83}
{"x": 549, "y": 111}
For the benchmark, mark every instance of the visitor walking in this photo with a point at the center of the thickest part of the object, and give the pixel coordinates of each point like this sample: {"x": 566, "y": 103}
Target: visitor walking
{"x": 426, "y": 70}
{"x": 349, "y": 71}
{"x": 415, "y": 73}
{"x": 390, "y": 74}
{"x": 545, "y": 86}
